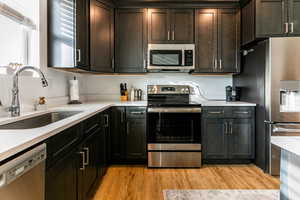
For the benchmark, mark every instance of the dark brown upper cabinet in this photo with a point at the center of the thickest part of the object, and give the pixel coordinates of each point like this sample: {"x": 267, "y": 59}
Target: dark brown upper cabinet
{"x": 264, "y": 18}
{"x": 102, "y": 37}
{"x": 68, "y": 34}
{"x": 171, "y": 26}
{"x": 131, "y": 40}
{"x": 217, "y": 40}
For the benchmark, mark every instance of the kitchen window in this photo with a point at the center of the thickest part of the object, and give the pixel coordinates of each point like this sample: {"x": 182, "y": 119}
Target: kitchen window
{"x": 19, "y": 37}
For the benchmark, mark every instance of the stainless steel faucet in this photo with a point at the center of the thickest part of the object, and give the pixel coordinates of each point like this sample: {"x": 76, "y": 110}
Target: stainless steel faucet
{"x": 15, "y": 105}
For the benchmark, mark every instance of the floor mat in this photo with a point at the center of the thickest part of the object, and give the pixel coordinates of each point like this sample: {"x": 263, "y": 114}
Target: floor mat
{"x": 221, "y": 194}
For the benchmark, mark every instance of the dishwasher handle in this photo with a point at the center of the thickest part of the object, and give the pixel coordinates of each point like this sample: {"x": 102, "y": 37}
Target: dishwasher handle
{"x": 15, "y": 168}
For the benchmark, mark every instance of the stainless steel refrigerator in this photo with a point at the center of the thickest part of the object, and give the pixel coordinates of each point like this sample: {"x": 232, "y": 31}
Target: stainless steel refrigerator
{"x": 271, "y": 78}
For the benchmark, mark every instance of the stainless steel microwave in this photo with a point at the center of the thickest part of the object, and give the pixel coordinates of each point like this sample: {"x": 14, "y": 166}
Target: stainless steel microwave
{"x": 171, "y": 57}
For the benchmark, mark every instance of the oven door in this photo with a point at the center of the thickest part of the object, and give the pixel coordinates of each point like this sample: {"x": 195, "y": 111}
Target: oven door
{"x": 165, "y": 58}
{"x": 174, "y": 126}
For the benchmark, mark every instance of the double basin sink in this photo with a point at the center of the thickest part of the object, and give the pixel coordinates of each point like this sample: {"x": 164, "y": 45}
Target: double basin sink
{"x": 39, "y": 121}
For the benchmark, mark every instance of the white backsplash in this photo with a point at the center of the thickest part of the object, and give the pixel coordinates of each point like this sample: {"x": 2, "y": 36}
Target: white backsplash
{"x": 108, "y": 87}
{"x": 104, "y": 88}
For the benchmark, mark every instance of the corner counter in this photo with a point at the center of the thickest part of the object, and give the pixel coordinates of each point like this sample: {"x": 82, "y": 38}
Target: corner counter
{"x": 289, "y": 166}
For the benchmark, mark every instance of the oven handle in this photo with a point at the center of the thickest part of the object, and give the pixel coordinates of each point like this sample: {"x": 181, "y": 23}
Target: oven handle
{"x": 174, "y": 110}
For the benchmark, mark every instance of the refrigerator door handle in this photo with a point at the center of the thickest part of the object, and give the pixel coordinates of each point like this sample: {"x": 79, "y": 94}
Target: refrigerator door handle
{"x": 282, "y": 123}
{"x": 285, "y": 130}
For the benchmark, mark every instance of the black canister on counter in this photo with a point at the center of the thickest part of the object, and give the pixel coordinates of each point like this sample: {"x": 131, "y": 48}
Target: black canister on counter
{"x": 228, "y": 93}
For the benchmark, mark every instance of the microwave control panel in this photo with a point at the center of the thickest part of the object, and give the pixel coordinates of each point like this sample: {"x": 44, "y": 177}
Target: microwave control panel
{"x": 188, "y": 58}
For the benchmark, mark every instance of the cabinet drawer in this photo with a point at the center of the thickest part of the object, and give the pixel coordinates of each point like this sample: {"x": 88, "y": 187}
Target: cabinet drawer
{"x": 239, "y": 112}
{"x": 91, "y": 124}
{"x": 62, "y": 142}
{"x": 136, "y": 112}
{"x": 213, "y": 112}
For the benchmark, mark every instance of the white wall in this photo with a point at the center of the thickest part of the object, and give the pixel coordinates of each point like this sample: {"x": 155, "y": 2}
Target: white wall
{"x": 107, "y": 87}
{"x": 31, "y": 87}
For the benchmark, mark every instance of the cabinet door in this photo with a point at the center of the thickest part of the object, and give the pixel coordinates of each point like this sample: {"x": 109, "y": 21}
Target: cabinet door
{"x": 118, "y": 131}
{"x": 206, "y": 40}
{"x": 136, "y": 139}
{"x": 241, "y": 139}
{"x": 248, "y": 22}
{"x": 271, "y": 17}
{"x": 102, "y": 37}
{"x": 229, "y": 40}
{"x": 159, "y": 26}
{"x": 102, "y": 156}
{"x": 182, "y": 26}
{"x": 131, "y": 40}
{"x": 294, "y": 17}
{"x": 214, "y": 139}
{"x": 107, "y": 131}
{"x": 61, "y": 179}
{"x": 90, "y": 173}
{"x": 82, "y": 34}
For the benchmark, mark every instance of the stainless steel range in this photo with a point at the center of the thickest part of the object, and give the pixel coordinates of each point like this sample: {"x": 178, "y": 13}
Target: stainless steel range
{"x": 173, "y": 127}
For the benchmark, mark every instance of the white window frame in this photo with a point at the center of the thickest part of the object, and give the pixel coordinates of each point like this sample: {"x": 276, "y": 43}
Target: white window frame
{"x": 29, "y": 25}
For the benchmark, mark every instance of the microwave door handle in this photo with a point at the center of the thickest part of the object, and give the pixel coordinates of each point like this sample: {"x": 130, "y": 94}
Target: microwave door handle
{"x": 183, "y": 57}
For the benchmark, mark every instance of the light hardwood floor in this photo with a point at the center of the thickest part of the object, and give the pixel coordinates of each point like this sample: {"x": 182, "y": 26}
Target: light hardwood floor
{"x": 141, "y": 183}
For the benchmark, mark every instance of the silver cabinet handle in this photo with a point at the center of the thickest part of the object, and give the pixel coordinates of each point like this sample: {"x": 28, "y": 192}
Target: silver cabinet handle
{"x": 78, "y": 55}
{"x": 173, "y": 35}
{"x": 240, "y": 112}
{"x": 225, "y": 128}
{"x": 113, "y": 63}
{"x": 292, "y": 27}
{"x": 220, "y": 61}
{"x": 83, "y": 160}
{"x": 230, "y": 128}
{"x": 145, "y": 64}
{"x": 137, "y": 113}
{"x": 168, "y": 35}
{"x": 106, "y": 118}
{"x": 286, "y": 27}
{"x": 215, "y": 64}
{"x": 87, "y": 162}
{"x": 216, "y": 112}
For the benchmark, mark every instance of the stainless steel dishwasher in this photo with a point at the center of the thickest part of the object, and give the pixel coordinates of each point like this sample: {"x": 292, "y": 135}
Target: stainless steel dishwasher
{"x": 24, "y": 177}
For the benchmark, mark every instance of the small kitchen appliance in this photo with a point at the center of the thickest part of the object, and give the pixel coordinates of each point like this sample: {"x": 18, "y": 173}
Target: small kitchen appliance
{"x": 233, "y": 93}
{"x": 173, "y": 127}
{"x": 171, "y": 57}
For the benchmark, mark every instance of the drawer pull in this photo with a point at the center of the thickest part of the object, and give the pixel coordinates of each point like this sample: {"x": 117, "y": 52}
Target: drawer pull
{"x": 87, "y": 161}
{"x": 137, "y": 113}
{"x": 245, "y": 112}
{"x": 82, "y": 168}
{"x": 216, "y": 112}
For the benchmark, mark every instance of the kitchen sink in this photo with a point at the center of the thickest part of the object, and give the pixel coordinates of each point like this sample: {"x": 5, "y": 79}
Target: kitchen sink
{"x": 39, "y": 121}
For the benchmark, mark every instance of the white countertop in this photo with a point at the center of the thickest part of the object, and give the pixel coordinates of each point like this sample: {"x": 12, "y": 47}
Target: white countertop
{"x": 15, "y": 141}
{"x": 289, "y": 143}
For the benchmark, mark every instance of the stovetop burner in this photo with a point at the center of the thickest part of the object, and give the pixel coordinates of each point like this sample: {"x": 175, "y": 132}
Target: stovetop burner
{"x": 170, "y": 96}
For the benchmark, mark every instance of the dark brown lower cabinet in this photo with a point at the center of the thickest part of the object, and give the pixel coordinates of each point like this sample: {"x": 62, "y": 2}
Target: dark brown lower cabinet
{"x": 74, "y": 174}
{"x": 88, "y": 171}
{"x": 241, "y": 139}
{"x": 228, "y": 134}
{"x": 128, "y": 136}
{"x": 214, "y": 139}
{"x": 61, "y": 178}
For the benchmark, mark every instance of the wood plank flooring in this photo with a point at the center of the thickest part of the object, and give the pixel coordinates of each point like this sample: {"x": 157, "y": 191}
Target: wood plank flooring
{"x": 141, "y": 183}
